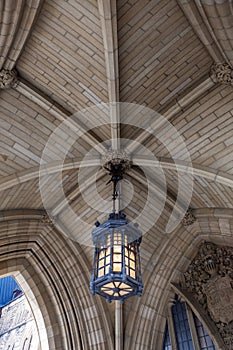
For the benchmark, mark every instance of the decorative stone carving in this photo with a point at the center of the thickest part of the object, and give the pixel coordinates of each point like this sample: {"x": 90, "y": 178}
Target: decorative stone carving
{"x": 210, "y": 279}
{"x": 8, "y": 79}
{"x": 219, "y": 298}
{"x": 116, "y": 157}
{"x": 189, "y": 218}
{"x": 47, "y": 220}
{"x": 222, "y": 73}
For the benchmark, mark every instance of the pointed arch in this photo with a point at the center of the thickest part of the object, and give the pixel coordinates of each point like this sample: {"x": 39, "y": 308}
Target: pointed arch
{"x": 175, "y": 253}
{"x": 45, "y": 263}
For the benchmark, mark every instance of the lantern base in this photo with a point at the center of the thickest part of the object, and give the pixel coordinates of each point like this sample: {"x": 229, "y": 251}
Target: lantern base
{"x": 116, "y": 288}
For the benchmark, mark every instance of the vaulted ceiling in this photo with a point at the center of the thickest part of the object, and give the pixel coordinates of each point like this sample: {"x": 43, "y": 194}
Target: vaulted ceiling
{"x": 168, "y": 65}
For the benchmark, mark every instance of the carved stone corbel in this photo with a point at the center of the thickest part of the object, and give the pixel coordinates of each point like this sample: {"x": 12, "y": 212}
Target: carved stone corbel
{"x": 8, "y": 79}
{"x": 222, "y": 73}
{"x": 47, "y": 220}
{"x": 189, "y": 218}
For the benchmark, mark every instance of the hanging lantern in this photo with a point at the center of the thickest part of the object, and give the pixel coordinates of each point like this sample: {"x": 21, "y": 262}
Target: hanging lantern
{"x": 116, "y": 273}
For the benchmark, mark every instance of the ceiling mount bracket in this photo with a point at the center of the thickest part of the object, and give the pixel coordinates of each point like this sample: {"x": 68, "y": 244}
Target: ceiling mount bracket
{"x": 115, "y": 157}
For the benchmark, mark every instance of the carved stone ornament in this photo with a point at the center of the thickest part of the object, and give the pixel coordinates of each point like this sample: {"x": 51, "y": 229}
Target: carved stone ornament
{"x": 210, "y": 279}
{"x": 222, "y": 73}
{"x": 189, "y": 218}
{"x": 47, "y": 220}
{"x": 8, "y": 79}
{"x": 116, "y": 157}
{"x": 219, "y": 298}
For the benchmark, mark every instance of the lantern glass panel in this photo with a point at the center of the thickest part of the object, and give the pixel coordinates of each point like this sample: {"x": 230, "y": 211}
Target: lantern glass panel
{"x": 116, "y": 289}
{"x": 125, "y": 286}
{"x": 101, "y": 272}
{"x": 116, "y": 275}
{"x": 117, "y": 252}
{"x": 108, "y": 258}
{"x": 124, "y": 292}
{"x": 116, "y": 267}
{"x": 132, "y": 274}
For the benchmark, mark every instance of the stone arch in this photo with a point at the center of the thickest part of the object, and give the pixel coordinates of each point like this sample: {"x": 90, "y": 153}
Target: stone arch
{"x": 55, "y": 278}
{"x": 175, "y": 252}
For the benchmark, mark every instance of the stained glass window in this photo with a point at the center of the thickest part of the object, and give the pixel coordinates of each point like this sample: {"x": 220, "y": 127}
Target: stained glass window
{"x": 183, "y": 334}
{"x": 181, "y": 325}
{"x": 205, "y": 341}
{"x": 167, "y": 342}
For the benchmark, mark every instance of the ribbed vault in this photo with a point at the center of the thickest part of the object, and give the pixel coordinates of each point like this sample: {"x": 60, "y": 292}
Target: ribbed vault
{"x": 77, "y": 65}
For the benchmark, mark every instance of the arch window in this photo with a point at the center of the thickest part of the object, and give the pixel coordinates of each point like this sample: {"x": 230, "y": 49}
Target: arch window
{"x": 184, "y": 331}
{"x": 167, "y": 341}
{"x": 204, "y": 339}
{"x": 181, "y": 326}
{"x": 17, "y": 323}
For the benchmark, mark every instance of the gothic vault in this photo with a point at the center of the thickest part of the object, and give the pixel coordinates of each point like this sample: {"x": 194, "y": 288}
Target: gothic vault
{"x": 79, "y": 79}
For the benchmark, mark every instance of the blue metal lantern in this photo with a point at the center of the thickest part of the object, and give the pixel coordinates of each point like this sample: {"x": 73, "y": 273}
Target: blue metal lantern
{"x": 116, "y": 273}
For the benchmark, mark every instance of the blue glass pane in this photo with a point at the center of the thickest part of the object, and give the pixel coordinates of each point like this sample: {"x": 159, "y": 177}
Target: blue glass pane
{"x": 181, "y": 326}
{"x": 167, "y": 342}
{"x": 203, "y": 337}
{"x": 208, "y": 340}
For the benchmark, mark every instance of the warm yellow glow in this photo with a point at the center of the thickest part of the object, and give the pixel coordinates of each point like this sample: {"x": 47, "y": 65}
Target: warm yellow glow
{"x": 107, "y": 291}
{"x": 125, "y": 286}
{"x": 101, "y": 254}
{"x": 123, "y": 292}
{"x": 116, "y": 253}
{"x": 117, "y": 239}
{"x": 126, "y": 260}
{"x": 132, "y": 261}
{"x": 132, "y": 256}
{"x": 117, "y": 258}
{"x": 101, "y": 263}
{"x": 116, "y": 267}
{"x": 132, "y": 274}
{"x": 117, "y": 249}
{"x": 100, "y": 272}
{"x": 132, "y": 264}
{"x": 109, "y": 285}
